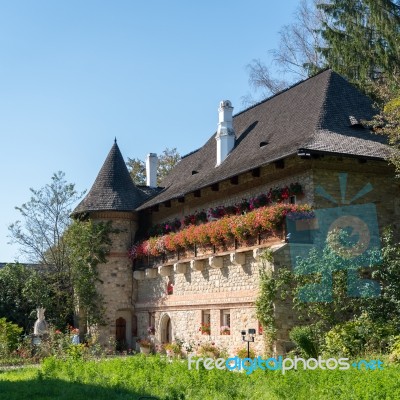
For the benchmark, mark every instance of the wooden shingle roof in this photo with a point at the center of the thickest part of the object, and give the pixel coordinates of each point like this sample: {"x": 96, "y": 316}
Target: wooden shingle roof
{"x": 113, "y": 189}
{"x": 313, "y": 115}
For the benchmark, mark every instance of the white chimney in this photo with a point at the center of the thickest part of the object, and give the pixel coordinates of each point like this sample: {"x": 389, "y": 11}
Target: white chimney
{"x": 225, "y": 133}
{"x": 151, "y": 169}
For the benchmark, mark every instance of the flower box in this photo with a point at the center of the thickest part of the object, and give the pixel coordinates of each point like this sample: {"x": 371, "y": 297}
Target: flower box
{"x": 247, "y": 242}
{"x": 170, "y": 256}
{"x": 186, "y": 253}
{"x": 225, "y": 246}
{"x": 204, "y": 250}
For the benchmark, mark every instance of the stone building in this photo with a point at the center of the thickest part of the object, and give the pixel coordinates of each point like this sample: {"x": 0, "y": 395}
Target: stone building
{"x": 310, "y": 135}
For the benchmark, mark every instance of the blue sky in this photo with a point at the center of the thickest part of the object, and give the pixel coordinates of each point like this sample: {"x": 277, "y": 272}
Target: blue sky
{"x": 76, "y": 74}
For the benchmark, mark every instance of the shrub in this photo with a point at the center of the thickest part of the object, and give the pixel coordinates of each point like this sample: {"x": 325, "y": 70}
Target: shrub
{"x": 359, "y": 336}
{"x": 242, "y": 353}
{"x": 305, "y": 339}
{"x": 209, "y": 350}
{"x": 9, "y": 337}
{"x": 395, "y": 350}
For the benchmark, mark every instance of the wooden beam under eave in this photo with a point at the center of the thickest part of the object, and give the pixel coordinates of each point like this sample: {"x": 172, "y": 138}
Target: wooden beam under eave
{"x": 234, "y": 180}
{"x": 215, "y": 187}
{"x": 256, "y": 172}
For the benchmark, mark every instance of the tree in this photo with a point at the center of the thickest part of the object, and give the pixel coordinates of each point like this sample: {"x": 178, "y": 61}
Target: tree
{"x": 166, "y": 161}
{"x": 45, "y": 218}
{"x": 137, "y": 169}
{"x": 87, "y": 246}
{"x": 297, "y": 53}
{"x": 20, "y": 294}
{"x": 67, "y": 252}
{"x": 362, "y": 38}
{"x": 40, "y": 236}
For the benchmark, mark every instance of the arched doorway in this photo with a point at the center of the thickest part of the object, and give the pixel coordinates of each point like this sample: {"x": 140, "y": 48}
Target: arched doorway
{"x": 166, "y": 329}
{"x": 120, "y": 333}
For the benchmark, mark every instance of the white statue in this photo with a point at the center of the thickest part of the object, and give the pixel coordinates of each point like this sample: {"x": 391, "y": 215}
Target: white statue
{"x": 40, "y": 327}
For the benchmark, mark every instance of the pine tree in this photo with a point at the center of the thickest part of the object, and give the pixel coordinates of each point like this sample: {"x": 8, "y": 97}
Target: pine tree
{"x": 362, "y": 38}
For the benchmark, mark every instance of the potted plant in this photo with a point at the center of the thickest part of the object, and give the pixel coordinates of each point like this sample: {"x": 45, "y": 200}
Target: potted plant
{"x": 173, "y": 349}
{"x": 151, "y": 330}
{"x": 225, "y": 330}
{"x": 205, "y": 328}
{"x": 145, "y": 345}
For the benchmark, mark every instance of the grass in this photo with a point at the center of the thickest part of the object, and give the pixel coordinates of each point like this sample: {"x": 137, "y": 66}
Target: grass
{"x": 137, "y": 376}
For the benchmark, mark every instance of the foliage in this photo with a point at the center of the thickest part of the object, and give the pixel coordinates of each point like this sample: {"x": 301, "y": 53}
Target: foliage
{"x": 386, "y": 307}
{"x": 358, "y": 337}
{"x": 225, "y": 330}
{"x": 274, "y": 195}
{"x": 357, "y": 38}
{"x": 156, "y": 376}
{"x": 144, "y": 343}
{"x": 305, "y": 339}
{"x": 45, "y": 218}
{"x": 387, "y": 122}
{"x": 137, "y": 170}
{"x": 372, "y": 320}
{"x": 174, "y": 347}
{"x": 166, "y": 161}
{"x": 9, "y": 337}
{"x": 209, "y": 349}
{"x": 205, "y": 328}
{"x": 41, "y": 238}
{"x": 242, "y": 353}
{"x": 362, "y": 37}
{"x": 395, "y": 350}
{"x": 271, "y": 287}
{"x": 21, "y": 291}
{"x": 264, "y": 219}
{"x": 330, "y": 302}
{"x": 297, "y": 52}
{"x": 88, "y": 244}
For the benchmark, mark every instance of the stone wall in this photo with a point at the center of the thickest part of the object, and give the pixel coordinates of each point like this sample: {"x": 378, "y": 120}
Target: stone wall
{"x": 116, "y": 284}
{"x": 232, "y": 287}
{"x": 384, "y": 193}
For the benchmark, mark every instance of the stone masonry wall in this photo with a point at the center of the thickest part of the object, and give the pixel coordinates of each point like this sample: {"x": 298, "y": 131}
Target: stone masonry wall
{"x": 233, "y": 288}
{"x": 116, "y": 284}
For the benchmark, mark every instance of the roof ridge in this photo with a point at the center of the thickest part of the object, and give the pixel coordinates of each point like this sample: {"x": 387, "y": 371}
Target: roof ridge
{"x": 283, "y": 91}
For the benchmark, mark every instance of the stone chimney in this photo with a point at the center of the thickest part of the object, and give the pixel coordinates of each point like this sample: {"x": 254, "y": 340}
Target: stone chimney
{"x": 225, "y": 134}
{"x": 151, "y": 169}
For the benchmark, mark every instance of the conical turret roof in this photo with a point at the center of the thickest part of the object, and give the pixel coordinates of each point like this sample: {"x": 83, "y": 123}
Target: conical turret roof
{"x": 113, "y": 189}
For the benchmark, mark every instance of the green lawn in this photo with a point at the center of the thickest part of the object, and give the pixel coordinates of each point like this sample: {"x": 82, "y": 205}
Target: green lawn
{"x": 137, "y": 376}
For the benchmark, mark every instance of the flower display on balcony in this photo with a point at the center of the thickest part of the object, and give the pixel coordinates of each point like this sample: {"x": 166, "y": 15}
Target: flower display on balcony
{"x": 240, "y": 227}
{"x": 275, "y": 195}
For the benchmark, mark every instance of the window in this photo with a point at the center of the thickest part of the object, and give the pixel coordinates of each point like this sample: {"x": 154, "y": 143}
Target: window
{"x": 205, "y": 327}
{"x": 152, "y": 323}
{"x": 170, "y": 288}
{"x": 225, "y": 322}
{"x": 292, "y": 199}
